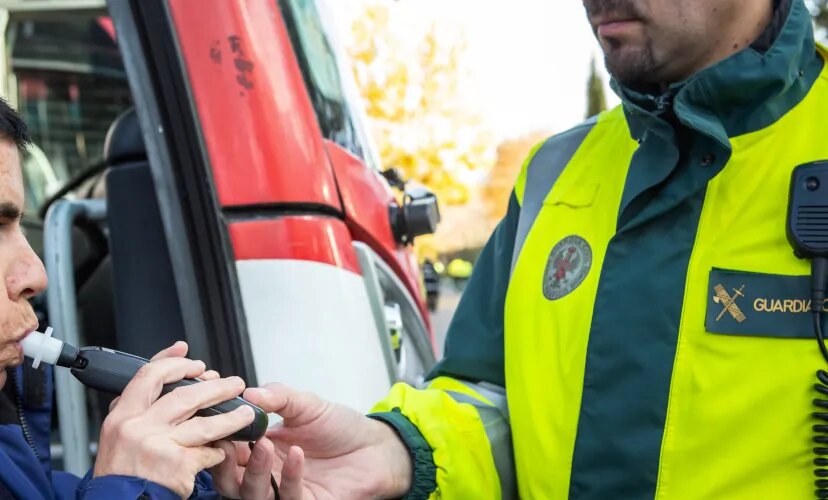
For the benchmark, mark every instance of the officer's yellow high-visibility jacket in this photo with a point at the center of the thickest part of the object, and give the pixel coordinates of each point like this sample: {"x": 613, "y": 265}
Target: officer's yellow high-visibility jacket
{"x": 639, "y": 322}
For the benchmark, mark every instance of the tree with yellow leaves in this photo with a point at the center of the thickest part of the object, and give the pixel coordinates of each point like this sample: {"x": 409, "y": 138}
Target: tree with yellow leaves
{"x": 411, "y": 78}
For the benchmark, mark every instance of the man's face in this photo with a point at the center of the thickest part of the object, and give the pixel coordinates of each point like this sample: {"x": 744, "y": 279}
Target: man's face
{"x": 23, "y": 275}
{"x": 662, "y": 41}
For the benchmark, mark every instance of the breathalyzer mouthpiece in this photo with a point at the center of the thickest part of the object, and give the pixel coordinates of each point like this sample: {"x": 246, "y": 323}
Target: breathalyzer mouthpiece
{"x": 42, "y": 347}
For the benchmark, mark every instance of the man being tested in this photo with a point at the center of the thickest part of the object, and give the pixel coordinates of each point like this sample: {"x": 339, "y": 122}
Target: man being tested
{"x": 149, "y": 447}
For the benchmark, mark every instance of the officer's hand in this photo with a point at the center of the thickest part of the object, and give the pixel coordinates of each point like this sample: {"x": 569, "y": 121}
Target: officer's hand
{"x": 245, "y": 473}
{"x": 155, "y": 439}
{"x": 321, "y": 450}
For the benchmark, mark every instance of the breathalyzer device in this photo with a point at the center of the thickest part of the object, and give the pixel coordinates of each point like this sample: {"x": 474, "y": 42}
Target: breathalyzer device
{"x": 110, "y": 371}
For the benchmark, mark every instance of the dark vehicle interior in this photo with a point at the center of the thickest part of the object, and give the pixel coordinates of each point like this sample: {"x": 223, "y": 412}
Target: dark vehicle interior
{"x": 73, "y": 92}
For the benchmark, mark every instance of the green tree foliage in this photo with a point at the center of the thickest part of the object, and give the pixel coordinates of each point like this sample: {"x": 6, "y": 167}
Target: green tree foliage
{"x": 596, "y": 100}
{"x": 819, "y": 9}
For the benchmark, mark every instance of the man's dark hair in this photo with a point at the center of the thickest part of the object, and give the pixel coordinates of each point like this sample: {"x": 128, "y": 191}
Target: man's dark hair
{"x": 12, "y": 126}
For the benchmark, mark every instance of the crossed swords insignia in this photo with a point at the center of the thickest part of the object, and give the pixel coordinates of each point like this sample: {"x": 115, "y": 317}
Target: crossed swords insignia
{"x": 729, "y": 303}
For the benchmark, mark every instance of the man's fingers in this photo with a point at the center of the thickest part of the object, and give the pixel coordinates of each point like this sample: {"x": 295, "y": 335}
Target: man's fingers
{"x": 207, "y": 457}
{"x": 202, "y": 430}
{"x": 146, "y": 385}
{"x": 284, "y": 401}
{"x": 177, "y": 350}
{"x": 210, "y": 375}
{"x": 114, "y": 403}
{"x": 256, "y": 481}
{"x": 225, "y": 474}
{"x": 182, "y": 402}
{"x": 292, "y": 486}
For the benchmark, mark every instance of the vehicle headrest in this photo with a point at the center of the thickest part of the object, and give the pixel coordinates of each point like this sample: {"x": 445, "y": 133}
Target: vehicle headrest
{"x": 124, "y": 142}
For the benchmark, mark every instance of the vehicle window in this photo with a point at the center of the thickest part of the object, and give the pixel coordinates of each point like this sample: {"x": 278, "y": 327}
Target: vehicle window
{"x": 353, "y": 98}
{"x": 70, "y": 86}
{"x": 321, "y": 70}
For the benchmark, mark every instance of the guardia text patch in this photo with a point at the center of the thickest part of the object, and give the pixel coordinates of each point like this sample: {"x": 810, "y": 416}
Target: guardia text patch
{"x": 767, "y": 305}
{"x": 568, "y": 265}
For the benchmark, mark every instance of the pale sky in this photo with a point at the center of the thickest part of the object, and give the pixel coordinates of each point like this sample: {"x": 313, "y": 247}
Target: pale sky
{"x": 530, "y": 59}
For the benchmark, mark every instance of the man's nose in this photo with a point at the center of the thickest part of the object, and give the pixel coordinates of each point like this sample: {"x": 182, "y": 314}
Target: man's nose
{"x": 27, "y": 275}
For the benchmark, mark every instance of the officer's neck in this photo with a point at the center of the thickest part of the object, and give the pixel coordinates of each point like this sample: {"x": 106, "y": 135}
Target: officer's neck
{"x": 758, "y": 25}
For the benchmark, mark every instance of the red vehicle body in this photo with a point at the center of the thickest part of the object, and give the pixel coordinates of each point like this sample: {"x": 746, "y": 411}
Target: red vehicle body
{"x": 265, "y": 144}
{"x": 286, "y": 252}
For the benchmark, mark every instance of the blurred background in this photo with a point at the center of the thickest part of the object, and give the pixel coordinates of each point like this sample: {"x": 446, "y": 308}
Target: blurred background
{"x": 458, "y": 92}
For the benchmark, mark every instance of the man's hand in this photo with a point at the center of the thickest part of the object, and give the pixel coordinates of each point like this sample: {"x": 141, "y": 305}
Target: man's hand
{"x": 321, "y": 450}
{"x": 155, "y": 439}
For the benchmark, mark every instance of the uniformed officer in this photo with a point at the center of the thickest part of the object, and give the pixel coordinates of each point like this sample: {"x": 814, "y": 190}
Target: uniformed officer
{"x": 639, "y": 308}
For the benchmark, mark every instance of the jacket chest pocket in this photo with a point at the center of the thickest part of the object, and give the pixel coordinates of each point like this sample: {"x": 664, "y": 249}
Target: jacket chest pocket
{"x": 575, "y": 196}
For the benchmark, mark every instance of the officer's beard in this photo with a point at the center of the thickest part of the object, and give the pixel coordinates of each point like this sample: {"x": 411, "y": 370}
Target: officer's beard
{"x": 634, "y": 67}
{"x": 630, "y": 61}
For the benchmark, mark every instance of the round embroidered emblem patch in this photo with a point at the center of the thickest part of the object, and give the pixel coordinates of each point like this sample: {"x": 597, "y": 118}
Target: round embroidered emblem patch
{"x": 568, "y": 265}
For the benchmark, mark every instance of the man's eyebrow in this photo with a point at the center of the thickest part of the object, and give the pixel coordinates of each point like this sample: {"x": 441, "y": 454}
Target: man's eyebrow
{"x": 10, "y": 211}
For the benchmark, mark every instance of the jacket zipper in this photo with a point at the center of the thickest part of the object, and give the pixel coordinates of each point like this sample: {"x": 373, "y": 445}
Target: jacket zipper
{"x": 21, "y": 414}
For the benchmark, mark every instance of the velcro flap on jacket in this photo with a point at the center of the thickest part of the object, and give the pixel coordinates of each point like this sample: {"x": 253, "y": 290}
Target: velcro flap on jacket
{"x": 757, "y": 304}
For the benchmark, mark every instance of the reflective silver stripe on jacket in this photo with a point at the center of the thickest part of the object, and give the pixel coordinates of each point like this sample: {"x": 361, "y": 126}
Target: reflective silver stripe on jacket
{"x": 542, "y": 173}
{"x": 496, "y": 422}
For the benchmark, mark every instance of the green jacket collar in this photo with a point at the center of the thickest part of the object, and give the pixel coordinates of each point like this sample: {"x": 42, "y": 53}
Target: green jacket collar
{"x": 746, "y": 92}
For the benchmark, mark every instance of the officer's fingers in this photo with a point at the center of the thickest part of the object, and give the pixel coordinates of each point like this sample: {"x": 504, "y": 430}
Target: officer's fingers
{"x": 284, "y": 401}
{"x": 177, "y": 350}
{"x": 182, "y": 402}
{"x": 271, "y": 398}
{"x": 210, "y": 375}
{"x": 227, "y": 475}
{"x": 146, "y": 385}
{"x": 242, "y": 451}
{"x": 202, "y": 430}
{"x": 292, "y": 486}
{"x": 256, "y": 481}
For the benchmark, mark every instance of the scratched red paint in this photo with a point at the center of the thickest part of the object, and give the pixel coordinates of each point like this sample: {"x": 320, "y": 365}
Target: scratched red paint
{"x": 264, "y": 142}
